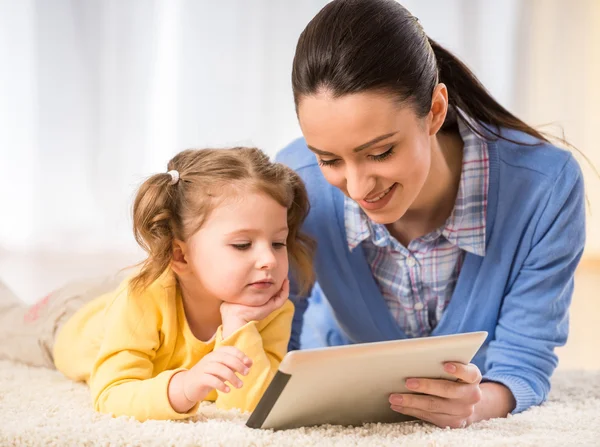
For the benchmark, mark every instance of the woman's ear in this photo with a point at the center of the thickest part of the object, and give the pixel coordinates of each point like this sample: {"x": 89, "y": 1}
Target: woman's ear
{"x": 179, "y": 262}
{"x": 439, "y": 108}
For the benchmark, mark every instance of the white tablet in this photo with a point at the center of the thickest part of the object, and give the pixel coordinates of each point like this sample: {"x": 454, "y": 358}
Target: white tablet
{"x": 351, "y": 385}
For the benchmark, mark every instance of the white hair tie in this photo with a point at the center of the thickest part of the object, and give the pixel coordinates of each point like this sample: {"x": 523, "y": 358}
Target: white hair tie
{"x": 174, "y": 177}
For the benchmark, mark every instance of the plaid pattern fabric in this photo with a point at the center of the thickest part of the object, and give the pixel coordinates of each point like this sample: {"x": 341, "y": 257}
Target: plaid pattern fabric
{"x": 417, "y": 281}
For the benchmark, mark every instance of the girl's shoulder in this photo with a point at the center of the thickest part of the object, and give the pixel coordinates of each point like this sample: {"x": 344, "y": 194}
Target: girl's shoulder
{"x": 158, "y": 297}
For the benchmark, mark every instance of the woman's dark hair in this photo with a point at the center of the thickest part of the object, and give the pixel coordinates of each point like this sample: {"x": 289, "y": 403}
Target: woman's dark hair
{"x": 354, "y": 46}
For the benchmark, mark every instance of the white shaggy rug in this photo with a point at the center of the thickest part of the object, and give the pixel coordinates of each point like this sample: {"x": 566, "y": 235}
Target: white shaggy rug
{"x": 40, "y": 408}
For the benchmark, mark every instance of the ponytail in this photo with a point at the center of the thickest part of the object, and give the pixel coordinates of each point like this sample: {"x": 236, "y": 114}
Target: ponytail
{"x": 469, "y": 97}
{"x": 378, "y": 45}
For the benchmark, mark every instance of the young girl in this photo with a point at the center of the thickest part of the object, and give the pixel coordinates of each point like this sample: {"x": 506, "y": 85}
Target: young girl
{"x": 207, "y": 308}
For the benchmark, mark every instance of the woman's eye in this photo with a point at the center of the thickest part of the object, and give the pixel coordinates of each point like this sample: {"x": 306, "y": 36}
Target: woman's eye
{"x": 241, "y": 246}
{"x": 279, "y": 245}
{"x": 328, "y": 162}
{"x": 384, "y": 155}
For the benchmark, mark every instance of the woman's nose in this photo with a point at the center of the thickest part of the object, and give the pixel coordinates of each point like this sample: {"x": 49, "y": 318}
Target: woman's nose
{"x": 358, "y": 183}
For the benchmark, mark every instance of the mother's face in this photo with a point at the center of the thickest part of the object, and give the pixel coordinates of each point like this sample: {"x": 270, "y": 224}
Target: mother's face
{"x": 376, "y": 152}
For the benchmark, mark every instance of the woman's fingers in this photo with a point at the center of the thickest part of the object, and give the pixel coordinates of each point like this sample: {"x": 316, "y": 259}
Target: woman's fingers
{"x": 430, "y": 404}
{"x": 466, "y": 373}
{"x": 439, "y": 419}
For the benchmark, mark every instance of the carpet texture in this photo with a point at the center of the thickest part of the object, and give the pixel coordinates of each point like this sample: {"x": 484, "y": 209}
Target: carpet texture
{"x": 39, "y": 407}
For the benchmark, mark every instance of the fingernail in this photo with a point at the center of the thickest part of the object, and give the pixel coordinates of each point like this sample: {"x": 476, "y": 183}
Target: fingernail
{"x": 450, "y": 368}
{"x": 245, "y": 371}
{"x": 227, "y": 389}
{"x": 397, "y": 400}
{"x": 413, "y": 384}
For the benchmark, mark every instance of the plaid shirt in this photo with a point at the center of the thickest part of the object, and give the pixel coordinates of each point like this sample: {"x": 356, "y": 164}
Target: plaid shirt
{"x": 417, "y": 281}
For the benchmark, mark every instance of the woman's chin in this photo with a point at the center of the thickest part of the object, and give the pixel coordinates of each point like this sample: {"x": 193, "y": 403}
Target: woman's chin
{"x": 388, "y": 216}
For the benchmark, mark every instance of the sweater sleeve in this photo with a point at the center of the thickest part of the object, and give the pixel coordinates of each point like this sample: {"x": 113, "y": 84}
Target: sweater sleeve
{"x": 123, "y": 381}
{"x": 265, "y": 343}
{"x": 533, "y": 318}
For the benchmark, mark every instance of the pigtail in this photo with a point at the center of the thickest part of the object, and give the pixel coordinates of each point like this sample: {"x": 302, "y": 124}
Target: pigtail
{"x": 153, "y": 227}
{"x": 300, "y": 246}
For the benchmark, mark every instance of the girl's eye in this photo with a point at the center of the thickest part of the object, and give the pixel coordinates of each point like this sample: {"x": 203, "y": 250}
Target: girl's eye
{"x": 279, "y": 245}
{"x": 327, "y": 162}
{"x": 241, "y": 246}
{"x": 384, "y": 155}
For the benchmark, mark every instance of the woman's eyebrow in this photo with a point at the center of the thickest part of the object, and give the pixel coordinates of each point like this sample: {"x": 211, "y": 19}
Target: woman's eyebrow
{"x": 373, "y": 141}
{"x": 358, "y": 148}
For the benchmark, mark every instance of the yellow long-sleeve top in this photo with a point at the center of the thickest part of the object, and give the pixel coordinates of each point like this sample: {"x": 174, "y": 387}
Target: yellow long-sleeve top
{"x": 127, "y": 347}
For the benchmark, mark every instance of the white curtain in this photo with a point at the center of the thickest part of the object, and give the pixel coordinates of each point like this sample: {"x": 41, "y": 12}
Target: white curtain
{"x": 558, "y": 74}
{"x": 95, "y": 95}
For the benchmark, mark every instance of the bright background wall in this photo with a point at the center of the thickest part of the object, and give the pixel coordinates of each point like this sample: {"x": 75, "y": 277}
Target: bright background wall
{"x": 96, "y": 95}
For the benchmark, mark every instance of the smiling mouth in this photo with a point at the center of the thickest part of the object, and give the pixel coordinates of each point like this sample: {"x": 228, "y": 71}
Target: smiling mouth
{"x": 380, "y": 196}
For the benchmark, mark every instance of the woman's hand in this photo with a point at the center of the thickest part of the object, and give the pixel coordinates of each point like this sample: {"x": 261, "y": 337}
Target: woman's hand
{"x": 235, "y": 316}
{"x": 443, "y": 402}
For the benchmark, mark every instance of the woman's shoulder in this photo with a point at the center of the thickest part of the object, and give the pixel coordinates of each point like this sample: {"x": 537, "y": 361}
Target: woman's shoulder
{"x": 324, "y": 199}
{"x": 533, "y": 178}
{"x": 523, "y": 155}
{"x": 297, "y": 156}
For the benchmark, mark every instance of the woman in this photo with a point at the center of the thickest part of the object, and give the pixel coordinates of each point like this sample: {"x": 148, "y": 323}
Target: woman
{"x": 436, "y": 211}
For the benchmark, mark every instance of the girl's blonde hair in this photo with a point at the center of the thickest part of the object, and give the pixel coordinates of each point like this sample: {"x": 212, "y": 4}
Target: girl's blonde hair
{"x": 164, "y": 211}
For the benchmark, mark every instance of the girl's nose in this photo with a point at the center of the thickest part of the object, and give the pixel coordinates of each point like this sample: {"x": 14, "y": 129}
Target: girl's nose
{"x": 266, "y": 260}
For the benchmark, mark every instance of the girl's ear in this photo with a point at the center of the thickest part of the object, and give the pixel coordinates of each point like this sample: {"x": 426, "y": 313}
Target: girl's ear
{"x": 179, "y": 262}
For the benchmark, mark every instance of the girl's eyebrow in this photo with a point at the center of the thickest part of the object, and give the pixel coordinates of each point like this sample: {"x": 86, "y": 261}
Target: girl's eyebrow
{"x": 358, "y": 148}
{"x": 253, "y": 230}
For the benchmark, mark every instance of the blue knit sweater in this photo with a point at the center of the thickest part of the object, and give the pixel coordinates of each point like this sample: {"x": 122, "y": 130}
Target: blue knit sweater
{"x": 519, "y": 292}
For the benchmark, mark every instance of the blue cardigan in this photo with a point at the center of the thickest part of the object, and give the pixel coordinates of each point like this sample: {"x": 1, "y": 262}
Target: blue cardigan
{"x": 519, "y": 292}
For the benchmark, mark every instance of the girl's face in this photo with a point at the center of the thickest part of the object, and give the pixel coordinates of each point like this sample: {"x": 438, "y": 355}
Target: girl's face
{"x": 239, "y": 255}
{"x": 376, "y": 152}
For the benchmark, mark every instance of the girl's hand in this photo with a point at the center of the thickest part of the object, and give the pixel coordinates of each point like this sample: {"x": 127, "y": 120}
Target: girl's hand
{"x": 235, "y": 316}
{"x": 444, "y": 403}
{"x": 189, "y": 387}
